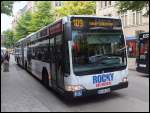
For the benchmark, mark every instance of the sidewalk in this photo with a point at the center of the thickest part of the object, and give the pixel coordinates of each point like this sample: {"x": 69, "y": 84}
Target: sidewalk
{"x": 132, "y": 64}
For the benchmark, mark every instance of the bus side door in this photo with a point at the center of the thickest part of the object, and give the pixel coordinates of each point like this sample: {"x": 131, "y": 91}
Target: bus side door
{"x": 56, "y": 56}
{"x": 59, "y": 61}
{"x": 52, "y": 63}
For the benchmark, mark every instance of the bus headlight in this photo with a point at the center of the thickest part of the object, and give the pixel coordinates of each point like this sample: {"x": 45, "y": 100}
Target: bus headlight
{"x": 125, "y": 79}
{"x": 73, "y": 88}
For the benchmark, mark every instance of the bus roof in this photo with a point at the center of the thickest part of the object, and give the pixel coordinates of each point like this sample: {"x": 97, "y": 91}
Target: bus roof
{"x": 63, "y": 19}
{"x": 94, "y": 16}
{"x": 86, "y": 16}
{"x": 30, "y": 34}
{"x": 21, "y": 39}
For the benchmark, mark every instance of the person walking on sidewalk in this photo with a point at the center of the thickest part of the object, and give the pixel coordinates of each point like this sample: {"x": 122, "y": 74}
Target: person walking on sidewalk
{"x": 6, "y": 62}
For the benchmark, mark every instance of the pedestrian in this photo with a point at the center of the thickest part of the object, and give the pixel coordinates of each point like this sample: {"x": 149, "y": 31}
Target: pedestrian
{"x": 6, "y": 62}
{"x": 2, "y": 57}
{"x": 130, "y": 51}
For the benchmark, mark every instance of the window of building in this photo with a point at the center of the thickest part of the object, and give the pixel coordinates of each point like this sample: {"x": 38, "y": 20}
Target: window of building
{"x": 57, "y": 3}
{"x": 122, "y": 18}
{"x": 126, "y": 20}
{"x": 105, "y": 3}
{"x": 140, "y": 17}
{"x": 101, "y": 2}
{"x": 134, "y": 18}
{"x": 137, "y": 18}
{"x": 109, "y": 3}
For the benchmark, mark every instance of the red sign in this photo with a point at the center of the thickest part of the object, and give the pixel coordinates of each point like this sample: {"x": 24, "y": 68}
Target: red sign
{"x": 56, "y": 28}
{"x": 104, "y": 84}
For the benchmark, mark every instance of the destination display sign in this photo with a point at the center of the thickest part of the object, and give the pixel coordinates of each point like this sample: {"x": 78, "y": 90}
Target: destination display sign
{"x": 56, "y": 28}
{"x": 92, "y": 23}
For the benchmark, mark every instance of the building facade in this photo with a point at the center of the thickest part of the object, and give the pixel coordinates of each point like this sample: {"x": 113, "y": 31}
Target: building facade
{"x": 15, "y": 19}
{"x": 133, "y": 22}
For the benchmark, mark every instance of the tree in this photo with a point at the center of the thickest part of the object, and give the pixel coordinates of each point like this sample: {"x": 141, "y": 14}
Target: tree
{"x": 10, "y": 40}
{"x": 77, "y": 8}
{"x": 22, "y": 28}
{"x": 42, "y": 16}
{"x": 123, "y": 6}
{"x": 31, "y": 22}
{"x": 6, "y": 7}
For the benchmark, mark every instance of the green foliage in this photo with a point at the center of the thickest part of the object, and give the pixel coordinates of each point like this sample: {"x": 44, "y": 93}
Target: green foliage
{"x": 6, "y": 7}
{"x": 77, "y": 8}
{"x": 123, "y": 6}
{"x": 42, "y": 16}
{"x": 10, "y": 40}
{"x": 31, "y": 22}
{"x": 22, "y": 28}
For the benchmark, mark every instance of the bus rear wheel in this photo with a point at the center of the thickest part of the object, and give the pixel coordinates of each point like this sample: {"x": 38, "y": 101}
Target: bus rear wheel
{"x": 45, "y": 78}
{"x": 17, "y": 61}
{"x": 26, "y": 66}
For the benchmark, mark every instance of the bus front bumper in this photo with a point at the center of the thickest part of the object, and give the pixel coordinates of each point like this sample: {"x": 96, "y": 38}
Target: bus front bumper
{"x": 95, "y": 91}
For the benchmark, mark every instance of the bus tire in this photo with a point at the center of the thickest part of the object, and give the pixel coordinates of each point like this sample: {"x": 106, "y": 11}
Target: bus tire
{"x": 45, "y": 80}
{"x": 17, "y": 61}
{"x": 26, "y": 66}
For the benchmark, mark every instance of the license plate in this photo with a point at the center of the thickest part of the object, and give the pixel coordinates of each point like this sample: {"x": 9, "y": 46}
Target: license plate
{"x": 78, "y": 93}
{"x": 103, "y": 91}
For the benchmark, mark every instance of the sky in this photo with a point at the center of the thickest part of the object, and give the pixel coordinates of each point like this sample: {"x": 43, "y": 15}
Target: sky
{"x": 7, "y": 20}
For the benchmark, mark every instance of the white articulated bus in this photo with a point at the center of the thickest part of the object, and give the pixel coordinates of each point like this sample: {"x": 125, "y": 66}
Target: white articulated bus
{"x": 78, "y": 55}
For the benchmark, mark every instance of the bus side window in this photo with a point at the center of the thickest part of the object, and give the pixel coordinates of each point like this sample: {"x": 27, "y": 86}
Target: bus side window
{"x": 40, "y": 53}
{"x": 37, "y": 53}
{"x": 67, "y": 34}
{"x": 52, "y": 49}
{"x": 45, "y": 53}
{"x": 58, "y": 50}
{"x": 66, "y": 62}
{"x": 33, "y": 53}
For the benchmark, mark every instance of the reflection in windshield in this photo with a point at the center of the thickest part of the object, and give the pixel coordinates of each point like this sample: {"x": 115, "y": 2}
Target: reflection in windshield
{"x": 98, "y": 50}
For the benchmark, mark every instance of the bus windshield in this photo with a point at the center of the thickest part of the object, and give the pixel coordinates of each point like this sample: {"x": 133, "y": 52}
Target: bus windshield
{"x": 97, "y": 51}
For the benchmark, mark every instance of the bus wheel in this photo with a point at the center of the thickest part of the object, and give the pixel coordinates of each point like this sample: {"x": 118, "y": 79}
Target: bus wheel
{"x": 26, "y": 66}
{"x": 45, "y": 78}
{"x": 17, "y": 61}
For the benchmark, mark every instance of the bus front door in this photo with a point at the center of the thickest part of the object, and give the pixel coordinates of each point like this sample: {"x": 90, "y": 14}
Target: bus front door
{"x": 52, "y": 63}
{"x": 59, "y": 62}
{"x": 56, "y": 65}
